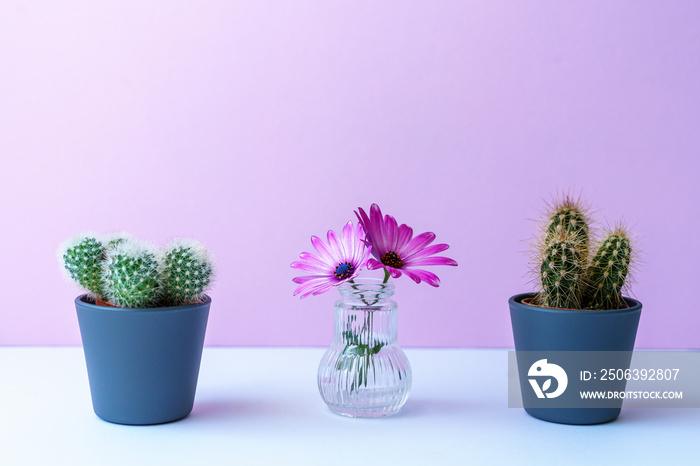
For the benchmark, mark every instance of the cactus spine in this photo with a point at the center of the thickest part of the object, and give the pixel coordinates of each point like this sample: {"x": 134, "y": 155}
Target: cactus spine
{"x": 131, "y": 275}
{"x": 81, "y": 257}
{"x": 609, "y": 270}
{"x": 187, "y": 271}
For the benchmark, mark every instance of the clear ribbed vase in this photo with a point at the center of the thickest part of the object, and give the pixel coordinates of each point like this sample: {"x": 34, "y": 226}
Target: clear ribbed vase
{"x": 364, "y": 373}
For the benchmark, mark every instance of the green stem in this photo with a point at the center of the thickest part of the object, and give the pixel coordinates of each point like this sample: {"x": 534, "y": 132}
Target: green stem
{"x": 386, "y": 275}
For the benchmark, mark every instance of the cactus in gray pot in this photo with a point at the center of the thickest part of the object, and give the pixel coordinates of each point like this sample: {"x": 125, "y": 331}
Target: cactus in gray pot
{"x": 131, "y": 275}
{"x": 81, "y": 259}
{"x": 187, "y": 271}
{"x": 609, "y": 270}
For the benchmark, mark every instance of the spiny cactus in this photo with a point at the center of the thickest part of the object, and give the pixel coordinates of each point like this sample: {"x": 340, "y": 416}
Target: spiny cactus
{"x": 81, "y": 257}
{"x": 187, "y": 271}
{"x": 609, "y": 269}
{"x": 131, "y": 275}
{"x": 569, "y": 214}
{"x": 569, "y": 278}
{"x": 561, "y": 271}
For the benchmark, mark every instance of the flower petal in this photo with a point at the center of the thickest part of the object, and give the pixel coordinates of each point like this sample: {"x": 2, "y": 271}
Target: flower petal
{"x": 433, "y": 260}
{"x": 427, "y": 251}
{"x": 348, "y": 242}
{"x": 308, "y": 267}
{"x": 362, "y": 217}
{"x": 374, "y": 264}
{"x": 334, "y": 244}
{"x": 326, "y": 287}
{"x": 428, "y": 277}
{"x": 317, "y": 261}
{"x": 391, "y": 233}
{"x": 310, "y": 287}
{"x": 364, "y": 259}
{"x": 417, "y": 243}
{"x": 324, "y": 251}
{"x": 377, "y": 233}
{"x": 306, "y": 278}
{"x": 405, "y": 235}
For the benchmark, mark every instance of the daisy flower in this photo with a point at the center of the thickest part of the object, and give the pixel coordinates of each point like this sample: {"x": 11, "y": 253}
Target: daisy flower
{"x": 336, "y": 262}
{"x": 396, "y": 249}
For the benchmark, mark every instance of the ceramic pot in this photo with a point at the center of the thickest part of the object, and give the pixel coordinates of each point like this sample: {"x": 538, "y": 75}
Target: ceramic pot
{"x": 539, "y": 329}
{"x": 142, "y": 364}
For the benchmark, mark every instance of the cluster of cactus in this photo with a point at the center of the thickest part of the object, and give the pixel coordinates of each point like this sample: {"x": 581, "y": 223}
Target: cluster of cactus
{"x": 571, "y": 274}
{"x": 131, "y": 273}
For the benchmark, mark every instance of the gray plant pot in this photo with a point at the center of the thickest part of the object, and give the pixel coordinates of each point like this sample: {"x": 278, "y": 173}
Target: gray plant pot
{"x": 142, "y": 364}
{"x": 537, "y": 329}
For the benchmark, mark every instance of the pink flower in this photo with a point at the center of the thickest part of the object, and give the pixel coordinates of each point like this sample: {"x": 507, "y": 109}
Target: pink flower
{"x": 336, "y": 262}
{"x": 396, "y": 249}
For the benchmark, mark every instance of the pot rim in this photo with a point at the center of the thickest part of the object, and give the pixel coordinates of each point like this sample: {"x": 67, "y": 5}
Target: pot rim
{"x": 516, "y": 301}
{"x": 80, "y": 302}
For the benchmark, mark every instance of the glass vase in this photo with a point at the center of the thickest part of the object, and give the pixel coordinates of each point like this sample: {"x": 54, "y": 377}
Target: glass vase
{"x": 364, "y": 373}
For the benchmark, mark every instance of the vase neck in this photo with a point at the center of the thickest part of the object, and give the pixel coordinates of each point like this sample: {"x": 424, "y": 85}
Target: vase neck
{"x": 367, "y": 290}
{"x": 368, "y": 321}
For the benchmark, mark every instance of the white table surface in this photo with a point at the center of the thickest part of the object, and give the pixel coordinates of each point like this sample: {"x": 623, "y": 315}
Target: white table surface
{"x": 260, "y": 406}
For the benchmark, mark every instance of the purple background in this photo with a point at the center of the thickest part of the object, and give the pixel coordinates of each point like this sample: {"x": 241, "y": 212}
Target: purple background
{"x": 253, "y": 125}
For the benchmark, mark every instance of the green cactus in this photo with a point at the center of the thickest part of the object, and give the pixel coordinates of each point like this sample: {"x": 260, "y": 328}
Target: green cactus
{"x": 609, "y": 270}
{"x": 81, "y": 257}
{"x": 568, "y": 214}
{"x": 187, "y": 271}
{"x": 569, "y": 277}
{"x": 131, "y": 275}
{"x": 561, "y": 271}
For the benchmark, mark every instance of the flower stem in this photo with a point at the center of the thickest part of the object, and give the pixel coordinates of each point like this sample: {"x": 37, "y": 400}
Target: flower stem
{"x": 386, "y": 275}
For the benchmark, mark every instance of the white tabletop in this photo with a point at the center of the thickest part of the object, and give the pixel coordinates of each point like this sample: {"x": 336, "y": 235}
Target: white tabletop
{"x": 260, "y": 406}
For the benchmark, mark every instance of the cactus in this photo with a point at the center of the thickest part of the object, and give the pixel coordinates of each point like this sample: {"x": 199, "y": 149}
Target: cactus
{"x": 561, "y": 271}
{"x": 568, "y": 277}
{"x": 130, "y": 275}
{"x": 609, "y": 270}
{"x": 571, "y": 215}
{"x": 187, "y": 271}
{"x": 81, "y": 258}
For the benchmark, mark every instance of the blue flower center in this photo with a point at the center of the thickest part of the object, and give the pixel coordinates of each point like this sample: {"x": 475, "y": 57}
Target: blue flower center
{"x": 392, "y": 259}
{"x": 344, "y": 270}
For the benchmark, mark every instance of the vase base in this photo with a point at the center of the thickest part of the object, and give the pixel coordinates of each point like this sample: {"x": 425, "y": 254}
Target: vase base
{"x": 363, "y": 413}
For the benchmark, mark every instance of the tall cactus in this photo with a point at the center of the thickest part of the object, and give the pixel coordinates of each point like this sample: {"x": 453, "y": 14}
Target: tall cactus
{"x": 569, "y": 214}
{"x": 609, "y": 269}
{"x": 561, "y": 271}
{"x": 81, "y": 257}
{"x": 187, "y": 271}
{"x": 131, "y": 275}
